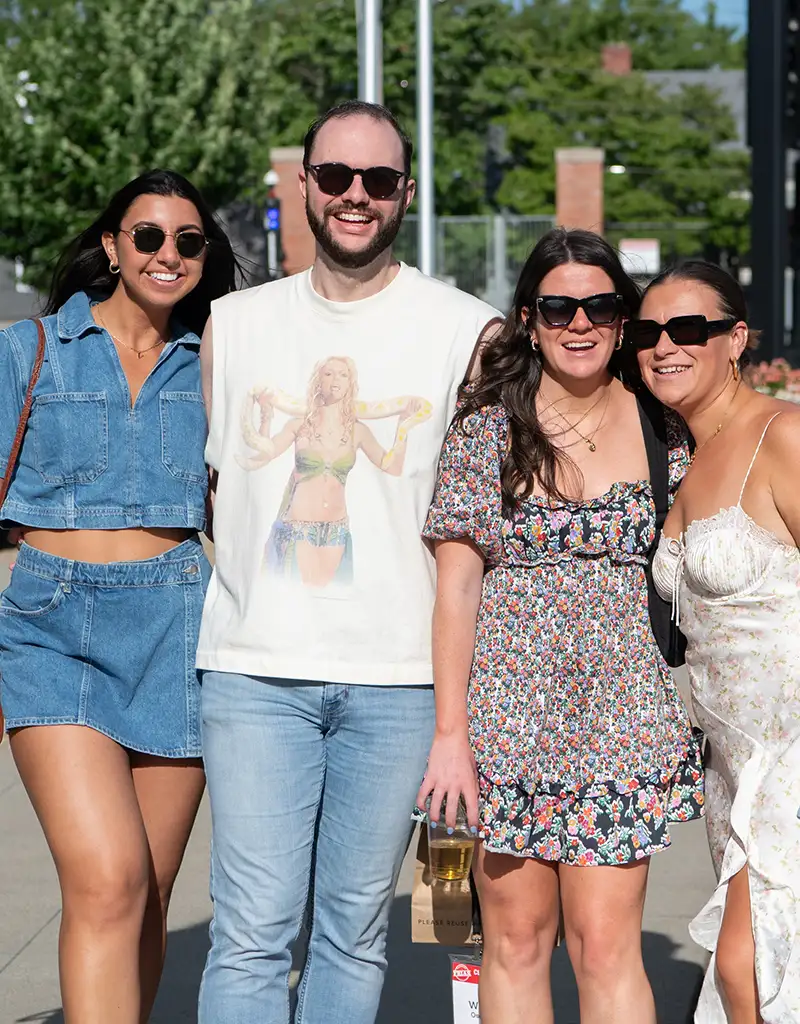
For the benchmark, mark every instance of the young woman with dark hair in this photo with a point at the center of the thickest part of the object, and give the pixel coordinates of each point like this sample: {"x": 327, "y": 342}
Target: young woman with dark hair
{"x": 98, "y": 626}
{"x": 557, "y": 718}
{"x": 729, "y": 562}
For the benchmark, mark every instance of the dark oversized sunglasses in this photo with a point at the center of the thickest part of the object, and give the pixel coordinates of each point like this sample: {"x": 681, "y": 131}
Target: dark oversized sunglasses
{"x": 148, "y": 239}
{"x": 336, "y": 179}
{"x": 560, "y": 310}
{"x": 693, "y": 329}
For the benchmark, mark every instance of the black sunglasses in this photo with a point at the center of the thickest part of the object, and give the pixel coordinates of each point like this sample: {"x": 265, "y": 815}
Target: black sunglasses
{"x": 148, "y": 239}
{"x": 336, "y": 179}
{"x": 693, "y": 329}
{"x": 560, "y": 310}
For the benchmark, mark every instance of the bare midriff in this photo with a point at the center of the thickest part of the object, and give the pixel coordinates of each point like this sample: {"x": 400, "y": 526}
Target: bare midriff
{"x": 102, "y": 546}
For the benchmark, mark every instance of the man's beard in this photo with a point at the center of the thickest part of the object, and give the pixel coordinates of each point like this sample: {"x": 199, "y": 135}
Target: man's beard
{"x": 354, "y": 259}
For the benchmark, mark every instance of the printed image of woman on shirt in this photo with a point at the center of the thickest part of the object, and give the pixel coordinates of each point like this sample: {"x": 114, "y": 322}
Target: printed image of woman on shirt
{"x": 310, "y": 539}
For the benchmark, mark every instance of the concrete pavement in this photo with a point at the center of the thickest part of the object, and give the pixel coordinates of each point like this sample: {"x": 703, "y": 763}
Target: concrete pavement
{"x": 417, "y": 983}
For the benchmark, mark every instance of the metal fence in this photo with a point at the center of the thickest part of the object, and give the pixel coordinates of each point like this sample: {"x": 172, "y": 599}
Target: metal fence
{"x": 484, "y": 254}
{"x": 479, "y": 254}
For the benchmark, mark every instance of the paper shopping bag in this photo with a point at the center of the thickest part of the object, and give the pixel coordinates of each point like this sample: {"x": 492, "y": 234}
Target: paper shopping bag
{"x": 440, "y": 913}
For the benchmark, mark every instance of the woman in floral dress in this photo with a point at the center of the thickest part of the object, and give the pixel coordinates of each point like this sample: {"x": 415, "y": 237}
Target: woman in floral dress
{"x": 557, "y": 717}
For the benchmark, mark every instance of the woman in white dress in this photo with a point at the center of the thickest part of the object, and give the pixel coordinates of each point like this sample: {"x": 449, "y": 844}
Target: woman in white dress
{"x": 729, "y": 560}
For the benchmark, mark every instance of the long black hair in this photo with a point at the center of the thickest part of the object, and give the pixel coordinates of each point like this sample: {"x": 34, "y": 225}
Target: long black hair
{"x": 511, "y": 369}
{"x": 84, "y": 266}
{"x": 730, "y": 296}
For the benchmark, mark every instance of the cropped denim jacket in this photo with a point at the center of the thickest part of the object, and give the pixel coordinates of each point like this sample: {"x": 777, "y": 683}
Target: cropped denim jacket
{"x": 90, "y": 460}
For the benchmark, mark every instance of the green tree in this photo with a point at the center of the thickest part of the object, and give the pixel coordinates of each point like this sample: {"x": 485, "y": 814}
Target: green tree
{"x": 529, "y": 77}
{"x": 662, "y": 35}
{"x": 94, "y": 92}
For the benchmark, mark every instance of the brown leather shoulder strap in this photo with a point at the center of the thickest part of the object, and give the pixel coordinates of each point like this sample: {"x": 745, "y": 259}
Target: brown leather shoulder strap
{"x": 482, "y": 338}
{"x": 5, "y": 483}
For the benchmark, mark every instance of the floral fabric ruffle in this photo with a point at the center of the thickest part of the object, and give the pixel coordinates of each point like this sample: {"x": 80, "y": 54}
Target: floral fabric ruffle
{"x": 608, "y": 827}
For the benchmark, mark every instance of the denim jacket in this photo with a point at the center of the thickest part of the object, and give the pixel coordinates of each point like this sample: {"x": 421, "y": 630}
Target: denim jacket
{"x": 89, "y": 460}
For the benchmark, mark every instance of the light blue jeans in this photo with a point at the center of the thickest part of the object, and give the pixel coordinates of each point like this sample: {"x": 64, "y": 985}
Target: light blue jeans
{"x": 311, "y": 789}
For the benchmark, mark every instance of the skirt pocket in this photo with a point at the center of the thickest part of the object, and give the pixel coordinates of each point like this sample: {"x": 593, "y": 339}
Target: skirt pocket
{"x": 30, "y": 595}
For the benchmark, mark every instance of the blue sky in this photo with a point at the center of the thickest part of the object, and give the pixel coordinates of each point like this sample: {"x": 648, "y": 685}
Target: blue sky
{"x": 732, "y": 12}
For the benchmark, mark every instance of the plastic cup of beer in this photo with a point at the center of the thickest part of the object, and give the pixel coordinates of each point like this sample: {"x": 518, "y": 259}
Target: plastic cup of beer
{"x": 450, "y": 849}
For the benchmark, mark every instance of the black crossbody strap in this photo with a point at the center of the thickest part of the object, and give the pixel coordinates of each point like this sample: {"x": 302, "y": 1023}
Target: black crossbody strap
{"x": 654, "y": 430}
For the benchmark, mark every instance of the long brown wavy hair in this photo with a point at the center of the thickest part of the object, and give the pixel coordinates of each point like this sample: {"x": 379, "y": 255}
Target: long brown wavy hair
{"x": 511, "y": 369}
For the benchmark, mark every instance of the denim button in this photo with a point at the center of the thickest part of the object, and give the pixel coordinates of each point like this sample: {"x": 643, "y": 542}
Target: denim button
{"x": 191, "y": 570}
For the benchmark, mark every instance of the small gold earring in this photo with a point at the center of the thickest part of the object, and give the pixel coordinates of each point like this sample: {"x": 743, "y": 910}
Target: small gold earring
{"x": 735, "y": 363}
{"x": 618, "y": 345}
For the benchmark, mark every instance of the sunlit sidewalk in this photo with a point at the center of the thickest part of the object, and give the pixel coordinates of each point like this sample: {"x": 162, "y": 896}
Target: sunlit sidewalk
{"x": 417, "y": 985}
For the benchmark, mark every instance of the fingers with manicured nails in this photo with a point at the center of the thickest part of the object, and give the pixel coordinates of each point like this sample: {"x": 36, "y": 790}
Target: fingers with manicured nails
{"x": 424, "y": 792}
{"x": 435, "y": 813}
{"x": 471, "y": 800}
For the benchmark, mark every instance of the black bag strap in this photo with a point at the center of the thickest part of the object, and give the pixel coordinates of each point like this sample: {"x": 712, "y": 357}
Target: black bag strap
{"x": 654, "y": 430}
{"x": 670, "y": 640}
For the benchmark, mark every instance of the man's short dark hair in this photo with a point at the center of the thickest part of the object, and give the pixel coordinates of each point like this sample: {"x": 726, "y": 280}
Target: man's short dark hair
{"x": 352, "y": 108}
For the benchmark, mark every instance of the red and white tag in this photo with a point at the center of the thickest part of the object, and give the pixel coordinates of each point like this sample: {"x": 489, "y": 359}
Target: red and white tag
{"x": 466, "y": 973}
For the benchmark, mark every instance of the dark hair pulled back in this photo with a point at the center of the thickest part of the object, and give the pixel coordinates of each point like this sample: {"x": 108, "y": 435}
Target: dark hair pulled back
{"x": 511, "y": 369}
{"x": 83, "y": 266}
{"x": 730, "y": 296}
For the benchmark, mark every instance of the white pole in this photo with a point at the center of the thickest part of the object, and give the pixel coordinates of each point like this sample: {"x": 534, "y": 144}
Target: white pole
{"x": 370, "y": 50}
{"x": 426, "y": 249}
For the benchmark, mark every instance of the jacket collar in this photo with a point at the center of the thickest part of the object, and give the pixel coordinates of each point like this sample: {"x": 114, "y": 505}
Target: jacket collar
{"x": 75, "y": 320}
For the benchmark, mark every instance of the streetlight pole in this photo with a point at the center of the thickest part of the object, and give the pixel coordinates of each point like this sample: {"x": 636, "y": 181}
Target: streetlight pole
{"x": 370, "y": 50}
{"x": 426, "y": 249}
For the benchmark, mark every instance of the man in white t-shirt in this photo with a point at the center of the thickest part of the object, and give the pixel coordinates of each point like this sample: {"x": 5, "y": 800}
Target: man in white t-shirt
{"x": 329, "y": 394}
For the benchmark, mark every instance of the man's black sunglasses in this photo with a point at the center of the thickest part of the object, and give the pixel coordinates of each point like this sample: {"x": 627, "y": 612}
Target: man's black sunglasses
{"x": 148, "y": 239}
{"x": 693, "y": 329}
{"x": 560, "y": 310}
{"x": 336, "y": 179}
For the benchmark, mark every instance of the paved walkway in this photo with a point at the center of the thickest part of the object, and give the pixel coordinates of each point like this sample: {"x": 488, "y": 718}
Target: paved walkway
{"x": 417, "y": 983}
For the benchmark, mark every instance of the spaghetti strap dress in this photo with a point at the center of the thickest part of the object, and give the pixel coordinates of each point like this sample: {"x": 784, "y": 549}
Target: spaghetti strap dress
{"x": 737, "y": 589}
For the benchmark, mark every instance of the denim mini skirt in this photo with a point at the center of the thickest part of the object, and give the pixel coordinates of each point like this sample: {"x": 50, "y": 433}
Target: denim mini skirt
{"x": 110, "y": 646}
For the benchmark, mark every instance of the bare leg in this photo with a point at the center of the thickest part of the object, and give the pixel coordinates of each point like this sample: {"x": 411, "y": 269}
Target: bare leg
{"x": 603, "y": 922}
{"x": 519, "y": 910}
{"x": 80, "y": 784}
{"x": 736, "y": 954}
{"x": 169, "y": 792}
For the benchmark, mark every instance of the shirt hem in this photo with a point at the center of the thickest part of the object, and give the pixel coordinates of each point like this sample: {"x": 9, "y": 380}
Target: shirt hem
{"x": 379, "y": 674}
{"x": 102, "y": 519}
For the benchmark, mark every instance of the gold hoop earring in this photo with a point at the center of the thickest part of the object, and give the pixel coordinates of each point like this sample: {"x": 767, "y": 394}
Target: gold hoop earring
{"x": 735, "y": 364}
{"x": 114, "y": 268}
{"x": 618, "y": 345}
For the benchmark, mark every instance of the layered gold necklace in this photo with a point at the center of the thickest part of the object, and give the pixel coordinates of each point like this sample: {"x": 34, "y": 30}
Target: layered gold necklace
{"x": 587, "y": 439}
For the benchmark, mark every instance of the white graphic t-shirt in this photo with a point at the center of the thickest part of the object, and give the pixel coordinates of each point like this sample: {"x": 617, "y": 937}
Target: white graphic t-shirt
{"x": 327, "y": 420}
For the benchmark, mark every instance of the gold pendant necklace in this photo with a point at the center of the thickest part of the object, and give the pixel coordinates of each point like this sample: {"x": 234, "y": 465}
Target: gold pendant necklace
{"x": 139, "y": 351}
{"x": 588, "y": 441}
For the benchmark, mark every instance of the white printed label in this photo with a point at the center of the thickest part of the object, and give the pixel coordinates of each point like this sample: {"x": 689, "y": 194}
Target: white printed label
{"x": 466, "y": 974}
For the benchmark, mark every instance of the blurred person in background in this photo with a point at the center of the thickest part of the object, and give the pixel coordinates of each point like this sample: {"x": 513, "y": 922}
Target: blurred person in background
{"x": 557, "y": 717}
{"x": 729, "y": 561}
{"x": 98, "y": 626}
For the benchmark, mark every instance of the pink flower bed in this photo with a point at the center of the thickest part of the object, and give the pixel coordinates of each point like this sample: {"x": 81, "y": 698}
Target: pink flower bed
{"x": 776, "y": 378}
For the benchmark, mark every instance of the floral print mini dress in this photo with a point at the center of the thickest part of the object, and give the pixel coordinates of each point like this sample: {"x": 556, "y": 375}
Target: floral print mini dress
{"x": 583, "y": 744}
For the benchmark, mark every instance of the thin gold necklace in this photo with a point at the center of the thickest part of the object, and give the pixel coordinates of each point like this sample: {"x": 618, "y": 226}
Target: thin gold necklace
{"x": 720, "y": 425}
{"x": 139, "y": 351}
{"x": 589, "y": 441}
